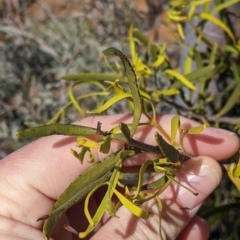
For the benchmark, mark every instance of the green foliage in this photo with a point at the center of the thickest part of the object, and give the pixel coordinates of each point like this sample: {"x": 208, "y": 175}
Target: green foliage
{"x": 147, "y": 81}
{"x": 98, "y": 175}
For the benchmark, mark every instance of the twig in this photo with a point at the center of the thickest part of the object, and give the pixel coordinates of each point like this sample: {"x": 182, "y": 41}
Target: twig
{"x": 229, "y": 120}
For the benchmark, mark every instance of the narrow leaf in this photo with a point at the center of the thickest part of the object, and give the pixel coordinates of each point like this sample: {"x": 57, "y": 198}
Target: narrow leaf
{"x": 56, "y": 129}
{"x": 103, "y": 205}
{"x": 132, "y": 81}
{"x": 137, "y": 211}
{"x": 86, "y": 142}
{"x": 110, "y": 102}
{"x": 219, "y": 23}
{"x": 125, "y": 130}
{"x": 181, "y": 78}
{"x": 105, "y": 146}
{"x": 196, "y": 130}
{"x": 74, "y": 101}
{"x": 231, "y": 102}
{"x": 175, "y": 124}
{"x": 78, "y": 189}
{"x": 168, "y": 150}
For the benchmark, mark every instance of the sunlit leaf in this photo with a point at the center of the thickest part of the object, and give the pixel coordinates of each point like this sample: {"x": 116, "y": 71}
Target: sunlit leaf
{"x": 236, "y": 170}
{"x": 140, "y": 177}
{"x": 86, "y": 142}
{"x": 196, "y": 130}
{"x": 219, "y": 23}
{"x": 223, "y": 5}
{"x": 176, "y": 16}
{"x": 110, "y": 102}
{"x": 169, "y": 92}
{"x": 188, "y": 63}
{"x": 102, "y": 206}
{"x": 191, "y": 12}
{"x": 181, "y": 78}
{"x": 175, "y": 125}
{"x": 137, "y": 211}
{"x": 235, "y": 180}
{"x": 180, "y": 30}
{"x": 160, "y": 57}
{"x": 117, "y": 88}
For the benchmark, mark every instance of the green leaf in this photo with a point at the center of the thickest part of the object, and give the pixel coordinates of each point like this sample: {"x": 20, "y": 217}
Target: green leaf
{"x": 199, "y": 75}
{"x": 63, "y": 109}
{"x": 203, "y": 72}
{"x": 107, "y": 197}
{"x": 234, "y": 98}
{"x": 81, "y": 154}
{"x": 86, "y": 142}
{"x": 137, "y": 211}
{"x": 140, "y": 177}
{"x": 236, "y": 170}
{"x": 223, "y": 5}
{"x": 181, "y": 78}
{"x": 70, "y": 196}
{"x": 168, "y": 150}
{"x": 56, "y": 129}
{"x": 220, "y": 24}
{"x": 78, "y": 189}
{"x": 132, "y": 81}
{"x": 231, "y": 102}
{"x": 188, "y": 63}
{"x": 175, "y": 125}
{"x": 196, "y": 130}
{"x": 105, "y": 146}
{"x": 125, "y": 130}
{"x": 153, "y": 48}
{"x": 230, "y": 172}
{"x": 110, "y": 102}
{"x": 117, "y": 88}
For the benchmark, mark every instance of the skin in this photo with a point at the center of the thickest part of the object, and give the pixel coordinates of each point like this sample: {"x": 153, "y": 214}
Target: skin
{"x": 33, "y": 177}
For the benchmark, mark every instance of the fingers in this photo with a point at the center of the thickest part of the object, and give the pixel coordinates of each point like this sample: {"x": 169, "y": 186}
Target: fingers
{"x": 12, "y": 230}
{"x": 197, "y": 228}
{"x": 217, "y": 143}
{"x": 179, "y": 207}
{"x": 42, "y": 170}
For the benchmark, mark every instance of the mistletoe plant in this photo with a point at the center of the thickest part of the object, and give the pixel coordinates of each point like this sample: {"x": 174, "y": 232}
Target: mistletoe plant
{"x": 168, "y": 156}
{"x": 144, "y": 82}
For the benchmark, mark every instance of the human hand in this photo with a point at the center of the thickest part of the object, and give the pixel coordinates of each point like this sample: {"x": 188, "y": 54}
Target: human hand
{"x": 33, "y": 177}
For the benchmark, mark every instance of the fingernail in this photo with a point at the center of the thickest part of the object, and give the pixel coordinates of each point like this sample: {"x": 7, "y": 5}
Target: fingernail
{"x": 222, "y": 131}
{"x": 200, "y": 178}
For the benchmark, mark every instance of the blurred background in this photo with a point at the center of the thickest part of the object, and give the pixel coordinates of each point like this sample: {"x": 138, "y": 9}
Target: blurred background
{"x": 42, "y": 40}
